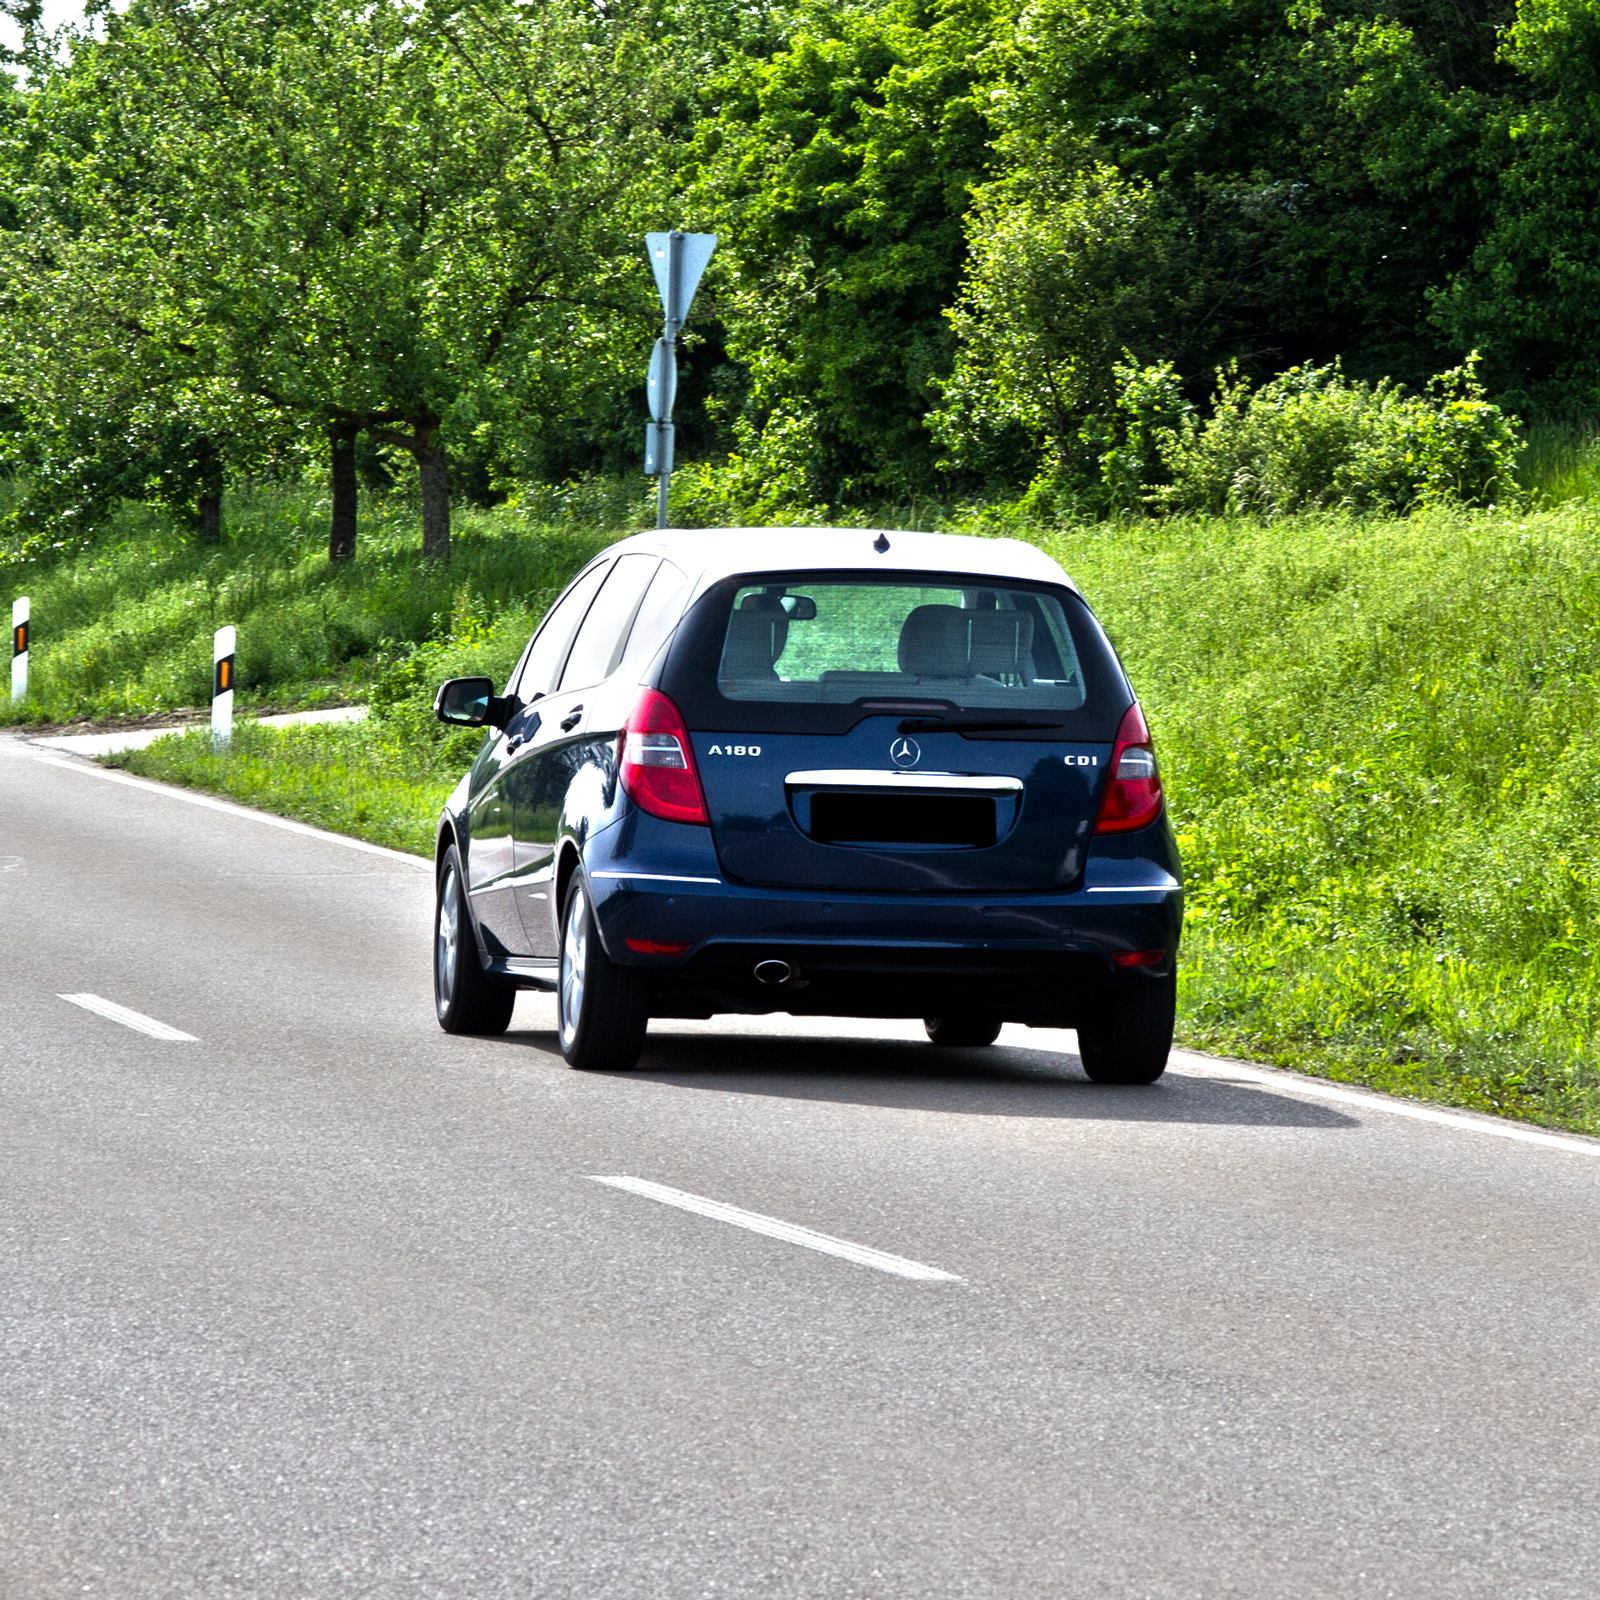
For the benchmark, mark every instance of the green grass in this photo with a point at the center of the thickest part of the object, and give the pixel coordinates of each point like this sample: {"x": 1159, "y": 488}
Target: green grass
{"x": 1560, "y": 462}
{"x": 1380, "y": 740}
{"x": 355, "y": 778}
{"x": 1383, "y": 755}
{"x": 125, "y": 627}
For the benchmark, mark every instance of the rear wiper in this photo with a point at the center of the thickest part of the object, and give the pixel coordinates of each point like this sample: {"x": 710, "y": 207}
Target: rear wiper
{"x": 971, "y": 725}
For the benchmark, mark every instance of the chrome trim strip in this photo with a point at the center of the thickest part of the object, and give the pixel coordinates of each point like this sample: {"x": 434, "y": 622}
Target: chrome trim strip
{"x": 949, "y": 782}
{"x": 655, "y": 877}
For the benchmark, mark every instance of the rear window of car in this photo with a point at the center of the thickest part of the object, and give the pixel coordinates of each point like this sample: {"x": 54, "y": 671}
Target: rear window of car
{"x": 979, "y": 647}
{"x": 819, "y": 650}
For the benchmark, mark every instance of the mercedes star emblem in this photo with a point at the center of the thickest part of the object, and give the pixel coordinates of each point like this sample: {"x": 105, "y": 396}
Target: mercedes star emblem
{"x": 905, "y": 752}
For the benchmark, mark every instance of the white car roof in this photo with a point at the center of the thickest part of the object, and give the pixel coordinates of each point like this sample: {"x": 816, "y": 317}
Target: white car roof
{"x": 710, "y": 554}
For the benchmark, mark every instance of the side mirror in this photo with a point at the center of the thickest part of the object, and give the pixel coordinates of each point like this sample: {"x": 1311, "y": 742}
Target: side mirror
{"x": 470, "y": 703}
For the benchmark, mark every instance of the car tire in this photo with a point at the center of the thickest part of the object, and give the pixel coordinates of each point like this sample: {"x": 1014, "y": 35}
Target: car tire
{"x": 971, "y": 1029}
{"x": 1128, "y": 1039}
{"x": 602, "y": 1009}
{"x": 466, "y": 998}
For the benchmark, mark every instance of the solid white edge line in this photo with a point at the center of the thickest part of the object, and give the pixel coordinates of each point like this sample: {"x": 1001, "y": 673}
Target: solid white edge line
{"x": 229, "y": 808}
{"x": 775, "y": 1228}
{"x": 1371, "y": 1100}
{"x": 128, "y": 1017}
{"x": 1289, "y": 1082}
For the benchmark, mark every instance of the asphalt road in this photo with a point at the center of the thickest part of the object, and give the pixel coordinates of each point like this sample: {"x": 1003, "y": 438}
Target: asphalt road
{"x": 323, "y": 1303}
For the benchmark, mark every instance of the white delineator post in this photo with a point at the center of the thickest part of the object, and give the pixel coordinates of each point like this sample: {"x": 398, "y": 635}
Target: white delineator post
{"x": 19, "y": 649}
{"x": 222, "y": 687}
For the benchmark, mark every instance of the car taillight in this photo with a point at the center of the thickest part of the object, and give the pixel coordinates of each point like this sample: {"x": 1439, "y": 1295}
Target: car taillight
{"x": 1133, "y": 795}
{"x": 657, "y": 764}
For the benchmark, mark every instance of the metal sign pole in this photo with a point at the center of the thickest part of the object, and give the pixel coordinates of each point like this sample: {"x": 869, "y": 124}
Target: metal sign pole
{"x": 678, "y": 259}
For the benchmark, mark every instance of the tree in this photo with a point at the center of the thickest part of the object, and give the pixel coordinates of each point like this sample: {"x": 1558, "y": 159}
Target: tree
{"x": 835, "y": 167}
{"x": 367, "y": 215}
{"x": 1061, "y": 282}
{"x": 1531, "y": 295}
{"x": 1203, "y": 183}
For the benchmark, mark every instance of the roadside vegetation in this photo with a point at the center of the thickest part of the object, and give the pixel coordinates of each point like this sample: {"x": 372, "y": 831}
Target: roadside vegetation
{"x": 329, "y": 321}
{"x": 1379, "y": 737}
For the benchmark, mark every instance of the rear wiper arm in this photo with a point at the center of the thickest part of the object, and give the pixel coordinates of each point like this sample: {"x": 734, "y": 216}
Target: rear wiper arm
{"x": 971, "y": 725}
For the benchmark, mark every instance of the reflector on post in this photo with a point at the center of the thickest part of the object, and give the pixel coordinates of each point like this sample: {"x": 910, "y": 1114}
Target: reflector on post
{"x": 19, "y": 648}
{"x": 222, "y": 673}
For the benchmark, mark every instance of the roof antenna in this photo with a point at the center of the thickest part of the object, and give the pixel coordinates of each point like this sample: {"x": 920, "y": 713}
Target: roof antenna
{"x": 881, "y": 543}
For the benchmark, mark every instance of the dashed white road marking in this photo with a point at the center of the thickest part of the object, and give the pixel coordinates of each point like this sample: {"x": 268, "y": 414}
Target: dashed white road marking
{"x": 136, "y": 1020}
{"x": 774, "y": 1228}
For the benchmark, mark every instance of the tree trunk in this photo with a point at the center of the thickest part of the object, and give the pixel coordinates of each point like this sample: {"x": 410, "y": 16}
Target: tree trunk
{"x": 433, "y": 470}
{"x": 342, "y": 463}
{"x": 209, "y": 502}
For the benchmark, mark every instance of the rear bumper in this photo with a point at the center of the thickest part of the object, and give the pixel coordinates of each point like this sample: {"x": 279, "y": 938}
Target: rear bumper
{"x": 1041, "y": 958}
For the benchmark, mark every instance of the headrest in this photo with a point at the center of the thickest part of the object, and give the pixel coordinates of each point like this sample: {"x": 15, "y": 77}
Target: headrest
{"x": 998, "y": 643}
{"x": 756, "y": 637}
{"x": 933, "y": 642}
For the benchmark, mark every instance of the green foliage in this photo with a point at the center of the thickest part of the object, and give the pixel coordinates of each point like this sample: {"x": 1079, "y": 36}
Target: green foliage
{"x": 835, "y": 169}
{"x": 1307, "y": 439}
{"x": 1560, "y": 461}
{"x": 1530, "y": 297}
{"x": 355, "y": 778}
{"x": 1380, "y": 743}
{"x": 1309, "y": 167}
{"x": 126, "y": 628}
{"x": 1058, "y": 286}
{"x": 415, "y": 219}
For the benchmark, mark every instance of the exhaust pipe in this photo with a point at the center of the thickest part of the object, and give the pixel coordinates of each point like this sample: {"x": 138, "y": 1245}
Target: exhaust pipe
{"x": 773, "y": 972}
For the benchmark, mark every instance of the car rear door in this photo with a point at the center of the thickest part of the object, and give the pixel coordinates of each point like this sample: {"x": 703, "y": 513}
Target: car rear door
{"x": 840, "y": 812}
{"x": 871, "y": 774}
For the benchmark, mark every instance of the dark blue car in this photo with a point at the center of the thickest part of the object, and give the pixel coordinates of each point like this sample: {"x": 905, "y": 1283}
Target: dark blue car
{"x": 823, "y": 771}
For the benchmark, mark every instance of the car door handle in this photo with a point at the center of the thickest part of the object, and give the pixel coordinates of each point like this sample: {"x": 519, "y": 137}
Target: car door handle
{"x": 572, "y": 719}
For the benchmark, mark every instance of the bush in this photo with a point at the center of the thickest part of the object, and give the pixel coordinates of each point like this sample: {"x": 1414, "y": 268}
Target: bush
{"x": 1309, "y": 439}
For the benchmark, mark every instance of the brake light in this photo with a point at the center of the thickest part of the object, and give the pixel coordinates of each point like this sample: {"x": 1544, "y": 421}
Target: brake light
{"x": 656, "y": 763}
{"x": 1133, "y": 795}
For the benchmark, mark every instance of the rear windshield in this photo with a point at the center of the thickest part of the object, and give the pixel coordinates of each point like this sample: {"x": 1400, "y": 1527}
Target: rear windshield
{"x": 828, "y": 642}
{"x": 801, "y": 650}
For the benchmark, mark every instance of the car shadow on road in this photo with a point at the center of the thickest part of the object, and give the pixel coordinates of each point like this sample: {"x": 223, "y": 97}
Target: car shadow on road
{"x": 1000, "y": 1081}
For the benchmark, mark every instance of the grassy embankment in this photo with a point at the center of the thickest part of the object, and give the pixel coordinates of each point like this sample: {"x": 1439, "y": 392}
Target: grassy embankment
{"x": 124, "y": 631}
{"x": 1379, "y": 736}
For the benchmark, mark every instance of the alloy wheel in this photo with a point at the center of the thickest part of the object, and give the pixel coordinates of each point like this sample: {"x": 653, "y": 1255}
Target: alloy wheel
{"x": 448, "y": 941}
{"x": 574, "y": 953}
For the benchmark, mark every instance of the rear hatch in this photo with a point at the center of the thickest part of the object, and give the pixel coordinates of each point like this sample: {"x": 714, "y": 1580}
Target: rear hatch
{"x": 913, "y": 732}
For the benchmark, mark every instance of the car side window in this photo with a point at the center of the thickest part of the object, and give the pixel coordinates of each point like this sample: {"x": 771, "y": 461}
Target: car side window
{"x": 658, "y": 611}
{"x": 599, "y": 643}
{"x": 549, "y": 646}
